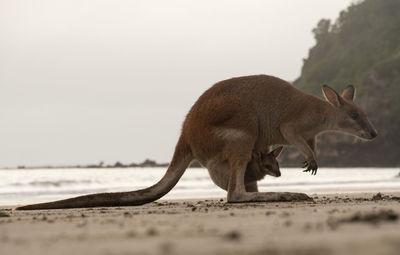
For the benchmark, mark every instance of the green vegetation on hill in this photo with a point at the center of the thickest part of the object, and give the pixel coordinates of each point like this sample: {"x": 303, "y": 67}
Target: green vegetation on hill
{"x": 362, "y": 48}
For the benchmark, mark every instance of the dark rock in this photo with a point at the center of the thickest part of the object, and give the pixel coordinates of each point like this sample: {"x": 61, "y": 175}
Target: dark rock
{"x": 233, "y": 236}
{"x": 378, "y": 196}
{"x": 371, "y": 217}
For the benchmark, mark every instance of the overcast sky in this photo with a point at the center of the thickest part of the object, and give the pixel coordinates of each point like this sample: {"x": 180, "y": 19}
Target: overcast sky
{"x": 89, "y": 81}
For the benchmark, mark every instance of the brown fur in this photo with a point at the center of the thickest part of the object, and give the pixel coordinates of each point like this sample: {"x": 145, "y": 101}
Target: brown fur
{"x": 231, "y": 120}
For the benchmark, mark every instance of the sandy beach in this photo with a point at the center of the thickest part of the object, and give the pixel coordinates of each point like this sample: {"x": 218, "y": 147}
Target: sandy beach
{"x": 352, "y": 223}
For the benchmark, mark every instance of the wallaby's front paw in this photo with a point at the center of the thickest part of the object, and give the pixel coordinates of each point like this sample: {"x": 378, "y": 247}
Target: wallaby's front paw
{"x": 311, "y": 166}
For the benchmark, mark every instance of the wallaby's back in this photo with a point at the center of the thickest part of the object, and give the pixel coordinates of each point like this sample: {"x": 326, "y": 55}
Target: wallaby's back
{"x": 244, "y": 103}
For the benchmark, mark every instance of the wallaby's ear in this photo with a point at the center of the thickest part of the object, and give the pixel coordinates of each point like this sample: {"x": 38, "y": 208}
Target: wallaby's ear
{"x": 349, "y": 93}
{"x": 277, "y": 151}
{"x": 332, "y": 96}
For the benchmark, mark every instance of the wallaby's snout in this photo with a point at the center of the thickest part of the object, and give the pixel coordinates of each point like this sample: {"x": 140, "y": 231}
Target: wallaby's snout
{"x": 373, "y": 134}
{"x": 369, "y": 135}
{"x": 365, "y": 129}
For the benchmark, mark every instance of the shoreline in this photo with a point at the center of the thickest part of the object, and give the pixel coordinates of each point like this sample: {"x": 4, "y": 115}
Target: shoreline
{"x": 179, "y": 198}
{"x": 165, "y": 165}
{"x": 341, "y": 223}
{"x": 218, "y": 194}
{"x": 326, "y": 192}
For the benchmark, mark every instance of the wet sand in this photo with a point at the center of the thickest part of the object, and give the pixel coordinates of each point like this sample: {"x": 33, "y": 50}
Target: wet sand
{"x": 350, "y": 223}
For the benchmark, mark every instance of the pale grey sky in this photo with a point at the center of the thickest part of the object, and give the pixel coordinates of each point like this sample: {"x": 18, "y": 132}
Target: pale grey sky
{"x": 85, "y": 81}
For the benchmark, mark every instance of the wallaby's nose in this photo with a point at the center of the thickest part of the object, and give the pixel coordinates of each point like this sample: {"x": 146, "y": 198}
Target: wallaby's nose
{"x": 278, "y": 174}
{"x": 373, "y": 134}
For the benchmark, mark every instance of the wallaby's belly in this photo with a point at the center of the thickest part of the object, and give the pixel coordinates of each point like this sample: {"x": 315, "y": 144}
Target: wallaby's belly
{"x": 219, "y": 173}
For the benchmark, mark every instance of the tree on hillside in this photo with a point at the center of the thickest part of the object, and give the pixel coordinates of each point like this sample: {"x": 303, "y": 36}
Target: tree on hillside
{"x": 362, "y": 47}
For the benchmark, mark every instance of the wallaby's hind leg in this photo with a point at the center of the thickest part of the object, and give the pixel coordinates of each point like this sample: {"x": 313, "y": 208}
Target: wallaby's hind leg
{"x": 237, "y": 192}
{"x": 251, "y": 187}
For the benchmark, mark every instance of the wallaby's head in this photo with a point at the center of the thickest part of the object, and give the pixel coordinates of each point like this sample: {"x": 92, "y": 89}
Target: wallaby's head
{"x": 349, "y": 117}
{"x": 268, "y": 164}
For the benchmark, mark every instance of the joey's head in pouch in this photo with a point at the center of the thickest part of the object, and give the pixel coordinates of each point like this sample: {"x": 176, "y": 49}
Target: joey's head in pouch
{"x": 263, "y": 164}
{"x": 268, "y": 163}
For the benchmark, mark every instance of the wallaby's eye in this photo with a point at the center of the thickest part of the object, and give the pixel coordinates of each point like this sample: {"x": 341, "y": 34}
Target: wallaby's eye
{"x": 354, "y": 115}
{"x": 268, "y": 166}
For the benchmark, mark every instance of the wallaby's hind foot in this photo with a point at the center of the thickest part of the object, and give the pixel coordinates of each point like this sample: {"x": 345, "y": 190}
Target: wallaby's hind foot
{"x": 246, "y": 197}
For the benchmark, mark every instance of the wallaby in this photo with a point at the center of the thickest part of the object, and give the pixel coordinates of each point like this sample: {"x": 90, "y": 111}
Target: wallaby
{"x": 231, "y": 120}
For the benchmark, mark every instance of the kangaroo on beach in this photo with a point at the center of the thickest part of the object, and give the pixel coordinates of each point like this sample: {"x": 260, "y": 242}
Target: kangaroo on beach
{"x": 232, "y": 119}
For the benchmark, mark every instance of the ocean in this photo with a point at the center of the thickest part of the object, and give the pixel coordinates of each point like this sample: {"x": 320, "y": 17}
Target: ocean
{"x": 22, "y": 186}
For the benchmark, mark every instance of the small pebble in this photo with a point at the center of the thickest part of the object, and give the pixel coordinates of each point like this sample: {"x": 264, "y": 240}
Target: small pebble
{"x": 268, "y": 213}
{"x": 233, "y": 236}
{"x": 152, "y": 232}
{"x": 288, "y": 223}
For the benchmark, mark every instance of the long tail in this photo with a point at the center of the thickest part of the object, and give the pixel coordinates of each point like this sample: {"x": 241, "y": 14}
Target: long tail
{"x": 180, "y": 161}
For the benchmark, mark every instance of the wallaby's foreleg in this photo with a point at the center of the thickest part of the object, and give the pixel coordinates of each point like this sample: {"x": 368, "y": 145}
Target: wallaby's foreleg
{"x": 306, "y": 147}
{"x": 312, "y": 143}
{"x": 237, "y": 192}
{"x": 311, "y": 166}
